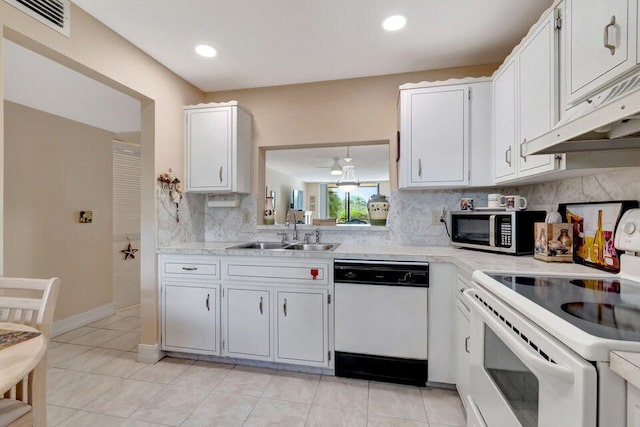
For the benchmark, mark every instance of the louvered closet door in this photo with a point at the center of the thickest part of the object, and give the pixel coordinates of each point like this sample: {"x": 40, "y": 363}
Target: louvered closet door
{"x": 126, "y": 223}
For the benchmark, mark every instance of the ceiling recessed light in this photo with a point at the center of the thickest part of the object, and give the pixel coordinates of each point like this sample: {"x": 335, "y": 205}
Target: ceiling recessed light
{"x": 206, "y": 50}
{"x": 394, "y": 22}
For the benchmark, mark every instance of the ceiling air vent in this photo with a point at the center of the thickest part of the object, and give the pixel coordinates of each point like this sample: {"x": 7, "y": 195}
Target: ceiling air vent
{"x": 53, "y": 13}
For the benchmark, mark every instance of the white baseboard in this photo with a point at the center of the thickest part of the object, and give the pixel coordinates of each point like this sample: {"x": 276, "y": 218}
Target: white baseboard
{"x": 70, "y": 323}
{"x": 149, "y": 353}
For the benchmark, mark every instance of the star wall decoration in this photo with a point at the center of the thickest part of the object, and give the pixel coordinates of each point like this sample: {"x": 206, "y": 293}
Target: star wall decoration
{"x": 129, "y": 252}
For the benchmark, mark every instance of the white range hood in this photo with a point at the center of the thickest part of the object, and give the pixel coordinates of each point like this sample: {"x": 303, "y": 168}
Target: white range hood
{"x": 609, "y": 120}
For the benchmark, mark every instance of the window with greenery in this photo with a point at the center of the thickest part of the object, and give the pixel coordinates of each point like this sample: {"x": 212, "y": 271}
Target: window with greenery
{"x": 350, "y": 208}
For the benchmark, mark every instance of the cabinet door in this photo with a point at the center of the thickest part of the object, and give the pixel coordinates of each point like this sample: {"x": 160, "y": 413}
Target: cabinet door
{"x": 505, "y": 121}
{"x": 248, "y": 322}
{"x": 462, "y": 339}
{"x": 435, "y": 131}
{"x": 191, "y": 319}
{"x": 538, "y": 94}
{"x": 209, "y": 140}
{"x": 601, "y": 43}
{"x": 302, "y": 335}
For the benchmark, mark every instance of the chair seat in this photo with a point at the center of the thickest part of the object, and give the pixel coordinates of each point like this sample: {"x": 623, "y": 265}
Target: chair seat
{"x": 11, "y": 410}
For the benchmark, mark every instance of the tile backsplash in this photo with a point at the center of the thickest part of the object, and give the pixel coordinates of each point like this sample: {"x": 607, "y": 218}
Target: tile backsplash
{"x": 409, "y": 217}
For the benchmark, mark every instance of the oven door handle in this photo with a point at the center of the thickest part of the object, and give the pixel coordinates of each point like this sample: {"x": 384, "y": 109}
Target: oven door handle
{"x": 534, "y": 361}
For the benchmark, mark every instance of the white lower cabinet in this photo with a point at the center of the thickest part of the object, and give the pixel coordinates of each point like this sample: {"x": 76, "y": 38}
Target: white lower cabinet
{"x": 302, "y": 321}
{"x": 463, "y": 344}
{"x": 248, "y": 322}
{"x": 277, "y": 310}
{"x": 190, "y": 303}
{"x": 191, "y": 318}
{"x": 633, "y": 406}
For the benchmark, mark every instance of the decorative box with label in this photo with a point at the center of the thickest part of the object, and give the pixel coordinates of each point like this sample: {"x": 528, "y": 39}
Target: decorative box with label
{"x": 553, "y": 242}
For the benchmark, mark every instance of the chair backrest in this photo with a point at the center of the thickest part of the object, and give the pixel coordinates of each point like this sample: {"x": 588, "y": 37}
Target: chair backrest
{"x": 29, "y": 301}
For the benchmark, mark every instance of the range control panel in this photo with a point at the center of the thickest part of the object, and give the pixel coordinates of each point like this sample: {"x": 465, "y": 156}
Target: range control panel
{"x": 628, "y": 232}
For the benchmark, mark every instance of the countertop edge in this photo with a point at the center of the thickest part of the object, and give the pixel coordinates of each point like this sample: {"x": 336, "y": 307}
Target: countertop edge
{"x": 467, "y": 261}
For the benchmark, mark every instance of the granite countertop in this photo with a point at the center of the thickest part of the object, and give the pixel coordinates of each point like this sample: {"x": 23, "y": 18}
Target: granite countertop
{"x": 465, "y": 259}
{"x": 627, "y": 365}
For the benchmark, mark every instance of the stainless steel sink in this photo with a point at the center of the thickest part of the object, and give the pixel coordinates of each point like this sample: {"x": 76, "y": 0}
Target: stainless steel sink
{"x": 260, "y": 245}
{"x": 288, "y": 246}
{"x": 311, "y": 246}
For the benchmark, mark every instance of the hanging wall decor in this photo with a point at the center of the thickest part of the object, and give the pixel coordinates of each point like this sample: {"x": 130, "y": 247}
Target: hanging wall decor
{"x": 129, "y": 252}
{"x": 170, "y": 185}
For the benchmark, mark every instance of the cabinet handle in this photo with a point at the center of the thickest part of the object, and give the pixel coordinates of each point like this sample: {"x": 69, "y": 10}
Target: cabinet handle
{"x": 284, "y": 307}
{"x": 524, "y": 141}
{"x": 611, "y": 35}
{"x": 260, "y": 305}
{"x": 207, "y": 302}
{"x": 420, "y": 167}
{"x": 507, "y": 156}
{"x": 189, "y": 268}
{"x": 466, "y": 345}
{"x": 220, "y": 174}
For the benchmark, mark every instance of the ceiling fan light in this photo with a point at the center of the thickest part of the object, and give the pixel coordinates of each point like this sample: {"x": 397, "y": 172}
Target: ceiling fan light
{"x": 348, "y": 187}
{"x": 348, "y": 182}
{"x": 336, "y": 169}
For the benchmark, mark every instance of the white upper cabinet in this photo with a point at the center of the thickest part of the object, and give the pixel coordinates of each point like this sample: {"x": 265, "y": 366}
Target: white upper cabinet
{"x": 538, "y": 94}
{"x": 601, "y": 44}
{"x": 526, "y": 103}
{"x": 505, "y": 92}
{"x": 218, "y": 148}
{"x": 440, "y": 125}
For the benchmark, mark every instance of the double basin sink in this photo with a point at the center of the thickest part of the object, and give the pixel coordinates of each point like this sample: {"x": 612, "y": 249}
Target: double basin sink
{"x": 287, "y": 246}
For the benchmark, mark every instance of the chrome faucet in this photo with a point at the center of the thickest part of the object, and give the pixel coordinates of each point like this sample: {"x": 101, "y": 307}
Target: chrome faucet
{"x": 295, "y": 225}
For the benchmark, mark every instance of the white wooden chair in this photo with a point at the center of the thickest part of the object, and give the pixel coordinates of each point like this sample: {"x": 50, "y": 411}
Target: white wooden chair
{"x": 29, "y": 302}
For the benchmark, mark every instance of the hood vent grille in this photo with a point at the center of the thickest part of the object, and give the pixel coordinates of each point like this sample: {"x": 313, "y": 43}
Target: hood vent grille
{"x": 53, "y": 13}
{"x": 626, "y": 86}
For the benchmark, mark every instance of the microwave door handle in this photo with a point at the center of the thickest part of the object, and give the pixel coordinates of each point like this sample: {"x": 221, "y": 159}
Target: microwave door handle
{"x": 536, "y": 363}
{"x": 492, "y": 230}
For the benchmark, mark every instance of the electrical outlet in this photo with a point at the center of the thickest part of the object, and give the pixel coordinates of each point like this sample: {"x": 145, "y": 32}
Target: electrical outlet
{"x": 435, "y": 218}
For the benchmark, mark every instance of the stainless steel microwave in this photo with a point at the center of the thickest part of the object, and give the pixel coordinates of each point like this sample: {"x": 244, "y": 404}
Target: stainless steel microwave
{"x": 495, "y": 231}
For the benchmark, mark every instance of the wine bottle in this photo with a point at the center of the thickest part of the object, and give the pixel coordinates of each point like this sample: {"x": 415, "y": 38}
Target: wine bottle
{"x": 598, "y": 242}
{"x": 578, "y": 234}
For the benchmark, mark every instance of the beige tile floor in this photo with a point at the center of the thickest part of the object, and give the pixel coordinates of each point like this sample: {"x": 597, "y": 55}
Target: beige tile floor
{"x": 95, "y": 381}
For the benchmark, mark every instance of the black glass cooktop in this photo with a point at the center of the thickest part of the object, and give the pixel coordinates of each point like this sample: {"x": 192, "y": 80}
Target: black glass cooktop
{"x": 604, "y": 307}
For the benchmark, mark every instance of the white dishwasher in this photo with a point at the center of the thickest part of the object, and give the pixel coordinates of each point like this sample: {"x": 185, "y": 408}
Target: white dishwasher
{"x": 381, "y": 320}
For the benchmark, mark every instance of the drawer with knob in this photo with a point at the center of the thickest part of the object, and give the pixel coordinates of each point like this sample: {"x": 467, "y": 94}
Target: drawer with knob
{"x": 191, "y": 267}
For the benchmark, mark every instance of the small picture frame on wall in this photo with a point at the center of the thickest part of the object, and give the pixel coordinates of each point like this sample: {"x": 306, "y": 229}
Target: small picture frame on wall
{"x": 85, "y": 217}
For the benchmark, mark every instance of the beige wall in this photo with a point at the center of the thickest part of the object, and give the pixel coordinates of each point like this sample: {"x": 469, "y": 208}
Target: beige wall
{"x": 55, "y": 168}
{"x": 98, "y": 52}
{"x": 328, "y": 112}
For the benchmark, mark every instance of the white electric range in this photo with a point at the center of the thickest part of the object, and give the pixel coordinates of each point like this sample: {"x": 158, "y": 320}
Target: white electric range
{"x": 540, "y": 344}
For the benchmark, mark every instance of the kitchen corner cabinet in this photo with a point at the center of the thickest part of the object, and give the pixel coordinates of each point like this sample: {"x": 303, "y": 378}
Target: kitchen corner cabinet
{"x": 190, "y": 301}
{"x": 601, "y": 44}
{"x": 277, "y": 311}
{"x": 440, "y": 125}
{"x": 526, "y": 103}
{"x": 218, "y": 148}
